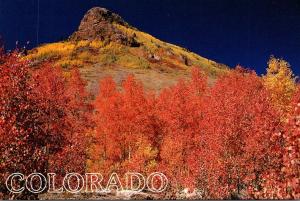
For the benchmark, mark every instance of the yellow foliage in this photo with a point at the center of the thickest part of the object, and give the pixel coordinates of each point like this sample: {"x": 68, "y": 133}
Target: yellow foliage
{"x": 65, "y": 54}
{"x": 53, "y": 49}
{"x": 153, "y": 45}
{"x": 86, "y": 52}
{"x": 70, "y": 62}
{"x": 67, "y": 74}
{"x": 83, "y": 43}
{"x": 115, "y": 48}
{"x": 132, "y": 61}
{"x": 96, "y": 44}
{"x": 84, "y": 56}
{"x": 280, "y": 80}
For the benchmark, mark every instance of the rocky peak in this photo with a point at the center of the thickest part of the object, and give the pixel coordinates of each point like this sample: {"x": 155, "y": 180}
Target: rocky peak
{"x": 99, "y": 23}
{"x": 98, "y": 15}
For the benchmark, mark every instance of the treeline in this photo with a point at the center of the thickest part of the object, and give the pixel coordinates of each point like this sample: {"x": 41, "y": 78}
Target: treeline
{"x": 238, "y": 138}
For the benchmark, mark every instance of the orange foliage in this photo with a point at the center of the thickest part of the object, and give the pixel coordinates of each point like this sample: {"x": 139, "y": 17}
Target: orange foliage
{"x": 180, "y": 111}
{"x": 283, "y": 180}
{"x": 223, "y": 140}
{"x": 227, "y": 140}
{"x": 43, "y": 119}
{"x": 125, "y": 131}
{"x": 242, "y": 120}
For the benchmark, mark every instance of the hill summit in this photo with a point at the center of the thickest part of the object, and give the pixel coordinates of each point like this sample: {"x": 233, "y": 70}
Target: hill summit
{"x": 98, "y": 23}
{"x": 105, "y": 44}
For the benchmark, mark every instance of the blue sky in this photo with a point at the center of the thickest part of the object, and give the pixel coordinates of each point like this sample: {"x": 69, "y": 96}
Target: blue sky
{"x": 232, "y": 32}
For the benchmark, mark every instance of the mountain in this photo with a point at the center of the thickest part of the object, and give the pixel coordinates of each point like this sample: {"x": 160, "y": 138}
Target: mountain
{"x": 105, "y": 44}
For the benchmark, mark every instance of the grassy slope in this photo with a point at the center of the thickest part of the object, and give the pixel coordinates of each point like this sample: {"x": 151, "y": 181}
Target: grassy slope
{"x": 156, "y": 63}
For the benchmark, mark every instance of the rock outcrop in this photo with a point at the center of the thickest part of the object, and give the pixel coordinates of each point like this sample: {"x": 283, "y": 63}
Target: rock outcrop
{"x": 99, "y": 23}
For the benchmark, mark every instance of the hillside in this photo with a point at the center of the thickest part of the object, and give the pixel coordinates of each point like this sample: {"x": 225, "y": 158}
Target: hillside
{"x": 105, "y": 44}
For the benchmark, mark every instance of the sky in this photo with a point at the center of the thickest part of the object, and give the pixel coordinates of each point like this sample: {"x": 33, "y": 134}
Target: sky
{"x": 244, "y": 32}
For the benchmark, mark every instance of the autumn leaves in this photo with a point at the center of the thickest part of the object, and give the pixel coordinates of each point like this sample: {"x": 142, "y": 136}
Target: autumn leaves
{"x": 227, "y": 140}
{"x": 44, "y": 118}
{"x": 238, "y": 138}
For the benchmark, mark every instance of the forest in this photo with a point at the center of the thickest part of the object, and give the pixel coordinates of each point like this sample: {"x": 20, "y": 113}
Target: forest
{"x": 237, "y": 137}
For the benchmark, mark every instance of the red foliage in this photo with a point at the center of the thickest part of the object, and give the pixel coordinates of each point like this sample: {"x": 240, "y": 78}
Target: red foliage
{"x": 43, "y": 119}
{"x": 125, "y": 130}
{"x": 65, "y": 115}
{"x": 218, "y": 139}
{"x": 291, "y": 154}
{"x": 16, "y": 124}
{"x": 227, "y": 140}
{"x": 283, "y": 180}
{"x": 180, "y": 111}
{"x": 242, "y": 119}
